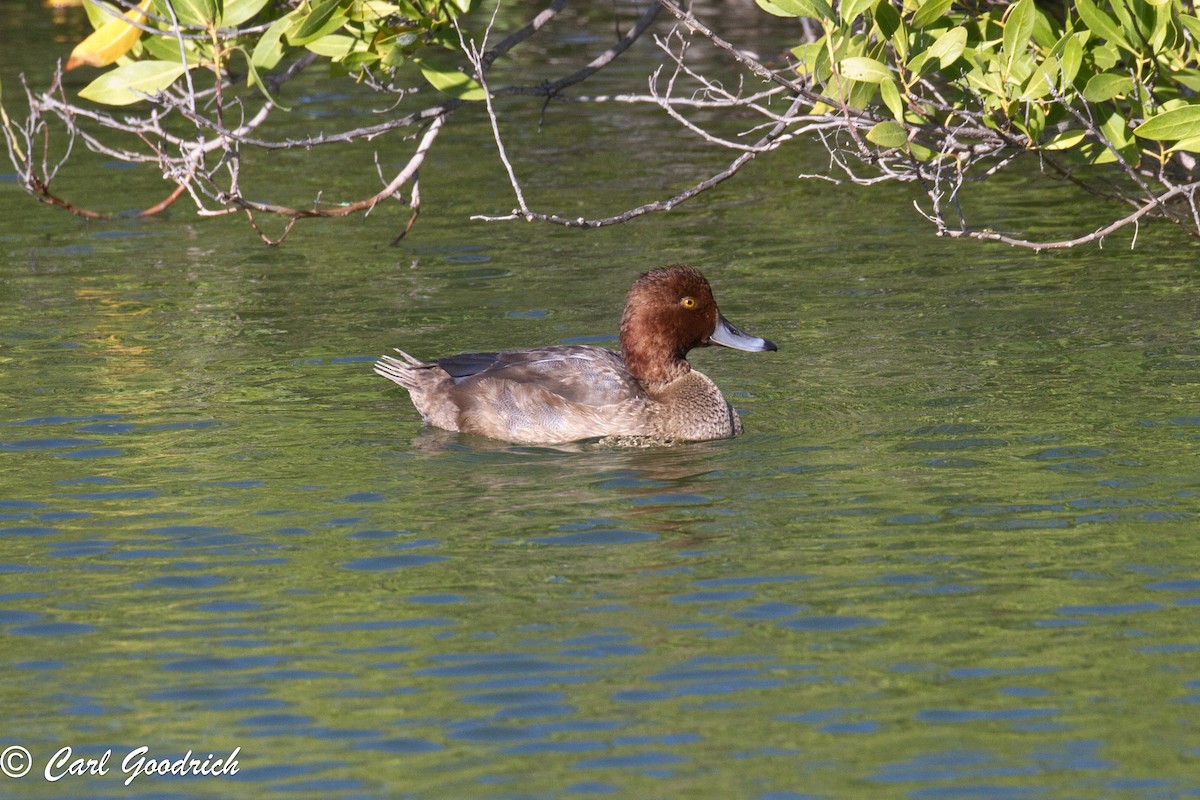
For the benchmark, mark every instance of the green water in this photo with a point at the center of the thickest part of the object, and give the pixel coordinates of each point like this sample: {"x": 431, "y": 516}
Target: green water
{"x": 954, "y": 555}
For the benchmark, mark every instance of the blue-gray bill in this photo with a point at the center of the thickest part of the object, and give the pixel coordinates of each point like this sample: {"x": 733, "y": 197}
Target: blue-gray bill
{"x": 729, "y": 336}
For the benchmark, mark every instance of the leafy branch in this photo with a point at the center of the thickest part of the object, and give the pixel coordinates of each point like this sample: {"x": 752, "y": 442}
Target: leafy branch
{"x": 923, "y": 92}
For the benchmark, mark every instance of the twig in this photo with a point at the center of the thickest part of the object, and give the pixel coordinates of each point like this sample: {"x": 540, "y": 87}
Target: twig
{"x": 475, "y": 56}
{"x": 1129, "y": 219}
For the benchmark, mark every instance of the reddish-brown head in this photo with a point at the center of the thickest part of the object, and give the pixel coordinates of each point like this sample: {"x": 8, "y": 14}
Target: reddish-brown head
{"x": 669, "y": 311}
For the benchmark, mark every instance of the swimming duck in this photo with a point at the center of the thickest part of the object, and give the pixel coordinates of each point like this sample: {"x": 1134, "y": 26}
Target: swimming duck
{"x": 565, "y": 393}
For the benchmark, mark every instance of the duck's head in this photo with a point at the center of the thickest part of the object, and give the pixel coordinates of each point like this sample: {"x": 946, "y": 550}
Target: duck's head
{"x": 669, "y": 311}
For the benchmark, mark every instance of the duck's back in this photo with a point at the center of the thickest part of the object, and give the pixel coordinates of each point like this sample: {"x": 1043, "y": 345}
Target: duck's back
{"x": 548, "y": 394}
{"x": 593, "y": 376}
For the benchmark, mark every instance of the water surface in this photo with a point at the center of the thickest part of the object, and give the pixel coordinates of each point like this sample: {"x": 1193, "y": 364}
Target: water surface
{"x": 953, "y": 556}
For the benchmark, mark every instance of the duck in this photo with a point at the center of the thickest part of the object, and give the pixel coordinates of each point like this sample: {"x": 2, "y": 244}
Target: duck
{"x": 646, "y": 392}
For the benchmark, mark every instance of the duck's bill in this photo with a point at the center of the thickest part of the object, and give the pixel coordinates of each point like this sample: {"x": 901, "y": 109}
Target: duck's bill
{"x": 729, "y": 336}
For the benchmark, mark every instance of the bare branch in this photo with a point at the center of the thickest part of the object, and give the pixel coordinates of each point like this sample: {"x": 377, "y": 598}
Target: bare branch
{"x": 1130, "y": 219}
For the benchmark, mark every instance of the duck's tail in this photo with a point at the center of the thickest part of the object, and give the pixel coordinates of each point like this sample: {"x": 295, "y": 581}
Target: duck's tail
{"x": 429, "y": 386}
{"x": 411, "y": 375}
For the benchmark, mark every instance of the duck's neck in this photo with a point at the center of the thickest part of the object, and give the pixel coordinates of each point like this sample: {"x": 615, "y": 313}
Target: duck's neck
{"x": 650, "y": 356}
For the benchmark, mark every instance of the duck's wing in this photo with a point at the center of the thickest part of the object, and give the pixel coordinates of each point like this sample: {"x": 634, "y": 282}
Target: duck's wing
{"x": 583, "y": 374}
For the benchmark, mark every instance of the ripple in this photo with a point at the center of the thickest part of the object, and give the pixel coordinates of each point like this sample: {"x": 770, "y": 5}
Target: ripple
{"x": 220, "y": 664}
{"x": 1108, "y": 610}
{"x": 488, "y": 732}
{"x": 957, "y": 715}
{"x": 1062, "y": 453}
{"x": 400, "y": 745}
{"x": 538, "y": 748}
{"x": 276, "y": 721}
{"x": 93, "y": 452}
{"x": 184, "y": 581}
{"x": 771, "y": 610}
{"x": 14, "y": 617}
{"x": 29, "y": 530}
{"x": 53, "y": 629}
{"x": 1185, "y": 585}
{"x": 364, "y": 497}
{"x": 436, "y": 599}
{"x": 46, "y": 444}
{"x": 750, "y": 580}
{"x": 712, "y": 597}
{"x": 606, "y": 536}
{"x": 592, "y": 787}
{"x": 671, "y": 499}
{"x": 129, "y": 494}
{"x": 649, "y": 758}
{"x": 831, "y": 623}
{"x": 514, "y": 697}
{"x": 955, "y": 444}
{"x": 210, "y": 694}
{"x": 384, "y": 563}
{"x": 28, "y": 505}
{"x": 953, "y": 463}
{"x": 499, "y": 664}
{"x": 108, "y": 428}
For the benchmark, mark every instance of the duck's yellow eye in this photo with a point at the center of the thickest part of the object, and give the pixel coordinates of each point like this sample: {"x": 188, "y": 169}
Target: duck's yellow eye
{"x": 688, "y": 302}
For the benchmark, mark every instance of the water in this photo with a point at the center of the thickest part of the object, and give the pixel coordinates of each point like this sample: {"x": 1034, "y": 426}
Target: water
{"x": 954, "y": 555}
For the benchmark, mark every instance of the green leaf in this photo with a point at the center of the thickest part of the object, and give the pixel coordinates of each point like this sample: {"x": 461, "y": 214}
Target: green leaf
{"x": 394, "y": 50}
{"x": 371, "y": 10}
{"x": 132, "y": 82}
{"x": 890, "y": 94}
{"x": 336, "y": 46}
{"x": 949, "y": 46}
{"x": 816, "y": 9}
{"x": 1071, "y": 58}
{"x": 1045, "y": 29}
{"x": 888, "y": 134}
{"x": 1114, "y": 126}
{"x": 920, "y": 152}
{"x": 1105, "y": 86}
{"x": 861, "y": 94}
{"x": 1190, "y": 145}
{"x": 1187, "y": 77}
{"x": 1174, "y": 125}
{"x": 166, "y": 48}
{"x": 269, "y": 50}
{"x": 98, "y": 12}
{"x": 1192, "y": 24}
{"x": 325, "y": 18}
{"x": 448, "y": 80}
{"x": 1100, "y": 23}
{"x": 808, "y": 57}
{"x": 919, "y": 62}
{"x": 197, "y": 13}
{"x": 358, "y": 59}
{"x": 1065, "y": 140}
{"x": 1032, "y": 122}
{"x": 1043, "y": 79}
{"x": 255, "y": 80}
{"x": 930, "y": 12}
{"x": 1105, "y": 56}
{"x": 235, "y": 12}
{"x": 861, "y": 68}
{"x": 1017, "y": 30}
{"x": 887, "y": 18}
{"x": 1162, "y": 24}
{"x": 851, "y": 9}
